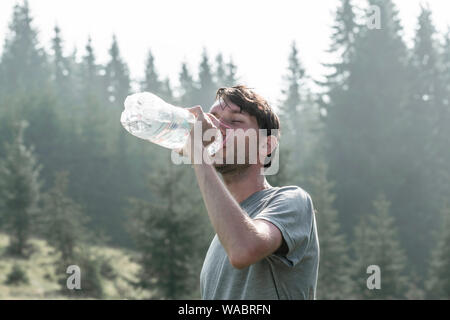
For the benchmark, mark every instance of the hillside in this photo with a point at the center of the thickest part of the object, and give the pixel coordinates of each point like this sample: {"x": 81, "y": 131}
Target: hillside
{"x": 119, "y": 271}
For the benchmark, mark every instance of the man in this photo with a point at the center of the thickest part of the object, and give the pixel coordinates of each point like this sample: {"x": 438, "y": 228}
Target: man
{"x": 266, "y": 244}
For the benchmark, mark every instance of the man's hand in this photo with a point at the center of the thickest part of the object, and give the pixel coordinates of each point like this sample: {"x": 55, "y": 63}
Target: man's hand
{"x": 195, "y": 143}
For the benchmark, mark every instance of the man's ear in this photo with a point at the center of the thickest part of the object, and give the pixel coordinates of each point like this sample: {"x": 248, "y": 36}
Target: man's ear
{"x": 267, "y": 146}
{"x": 272, "y": 143}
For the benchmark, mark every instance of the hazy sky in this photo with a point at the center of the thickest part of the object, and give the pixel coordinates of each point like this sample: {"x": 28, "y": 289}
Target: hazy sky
{"x": 257, "y": 34}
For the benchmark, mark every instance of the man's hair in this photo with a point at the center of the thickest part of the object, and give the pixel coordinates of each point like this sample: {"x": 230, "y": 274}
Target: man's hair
{"x": 255, "y": 105}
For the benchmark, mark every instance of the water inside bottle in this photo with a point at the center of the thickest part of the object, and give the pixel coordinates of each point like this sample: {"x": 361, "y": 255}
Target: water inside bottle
{"x": 148, "y": 117}
{"x": 166, "y": 132}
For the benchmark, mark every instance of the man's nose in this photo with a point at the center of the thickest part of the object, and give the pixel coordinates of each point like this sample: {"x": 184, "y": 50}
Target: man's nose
{"x": 219, "y": 123}
{"x": 224, "y": 125}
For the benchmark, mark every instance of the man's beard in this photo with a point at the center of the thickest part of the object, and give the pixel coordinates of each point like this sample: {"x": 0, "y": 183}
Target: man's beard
{"x": 230, "y": 168}
{"x": 235, "y": 167}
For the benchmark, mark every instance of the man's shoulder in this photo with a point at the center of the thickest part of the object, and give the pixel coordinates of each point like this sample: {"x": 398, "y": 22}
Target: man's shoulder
{"x": 294, "y": 197}
{"x": 293, "y": 193}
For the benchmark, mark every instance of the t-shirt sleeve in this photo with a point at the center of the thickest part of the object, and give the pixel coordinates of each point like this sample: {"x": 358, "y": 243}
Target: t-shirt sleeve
{"x": 291, "y": 211}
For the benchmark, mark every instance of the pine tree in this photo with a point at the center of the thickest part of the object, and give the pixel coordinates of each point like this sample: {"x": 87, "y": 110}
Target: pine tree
{"x": 336, "y": 86}
{"x": 206, "y": 86}
{"x": 292, "y": 99}
{"x": 441, "y": 131}
{"x": 343, "y": 46}
{"x": 299, "y": 122}
{"x": 23, "y": 64}
{"x": 334, "y": 280}
{"x": 345, "y": 30}
{"x": 63, "y": 226}
{"x": 63, "y": 81}
{"x": 167, "y": 92}
{"x": 231, "y": 78}
{"x": 61, "y": 67}
{"x": 363, "y": 158}
{"x": 187, "y": 87}
{"x": 427, "y": 85}
{"x": 446, "y": 65}
{"x": 20, "y": 192}
{"x": 421, "y": 123}
{"x": 62, "y": 222}
{"x": 376, "y": 243}
{"x": 93, "y": 95}
{"x": 220, "y": 72}
{"x": 62, "y": 121}
{"x": 105, "y": 176}
{"x": 117, "y": 76}
{"x": 90, "y": 67}
{"x": 169, "y": 234}
{"x": 151, "y": 82}
{"x": 438, "y": 282}
{"x": 117, "y": 83}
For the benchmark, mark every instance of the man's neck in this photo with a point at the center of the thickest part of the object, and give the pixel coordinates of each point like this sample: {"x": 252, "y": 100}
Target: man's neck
{"x": 243, "y": 183}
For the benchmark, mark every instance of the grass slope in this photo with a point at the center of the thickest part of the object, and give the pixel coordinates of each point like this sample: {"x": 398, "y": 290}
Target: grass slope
{"x": 40, "y": 270}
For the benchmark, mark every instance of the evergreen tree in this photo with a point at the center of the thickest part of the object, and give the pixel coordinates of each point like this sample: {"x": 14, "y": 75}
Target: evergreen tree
{"x": 93, "y": 154}
{"x": 63, "y": 226}
{"x": 23, "y": 65}
{"x": 446, "y": 66}
{"x": 289, "y": 120}
{"x": 17, "y": 276}
{"x": 345, "y": 30}
{"x": 167, "y": 92}
{"x": 117, "y": 83}
{"x": 117, "y": 76}
{"x": 169, "y": 234}
{"x": 426, "y": 83}
{"x": 220, "y": 72}
{"x": 334, "y": 280}
{"x": 19, "y": 176}
{"x": 206, "y": 86}
{"x": 438, "y": 282}
{"x": 299, "y": 122}
{"x": 93, "y": 96}
{"x": 441, "y": 160}
{"x": 46, "y": 131}
{"x": 420, "y": 205}
{"x": 365, "y": 119}
{"x": 61, "y": 67}
{"x": 187, "y": 87}
{"x": 64, "y": 84}
{"x": 62, "y": 222}
{"x": 343, "y": 46}
{"x": 292, "y": 99}
{"x": 90, "y": 68}
{"x": 231, "y": 78}
{"x": 151, "y": 82}
{"x": 376, "y": 243}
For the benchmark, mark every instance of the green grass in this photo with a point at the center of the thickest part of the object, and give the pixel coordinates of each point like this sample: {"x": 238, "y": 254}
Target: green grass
{"x": 40, "y": 270}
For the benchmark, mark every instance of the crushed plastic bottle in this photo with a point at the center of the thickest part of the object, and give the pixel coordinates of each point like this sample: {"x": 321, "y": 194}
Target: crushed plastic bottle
{"x": 149, "y": 117}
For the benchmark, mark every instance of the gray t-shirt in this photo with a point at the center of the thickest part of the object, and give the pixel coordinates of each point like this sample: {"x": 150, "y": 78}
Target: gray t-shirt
{"x": 292, "y": 275}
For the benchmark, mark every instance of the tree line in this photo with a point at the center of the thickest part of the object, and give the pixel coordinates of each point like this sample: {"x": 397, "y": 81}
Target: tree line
{"x": 370, "y": 147}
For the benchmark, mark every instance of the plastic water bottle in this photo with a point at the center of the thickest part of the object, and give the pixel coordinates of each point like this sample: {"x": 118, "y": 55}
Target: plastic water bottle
{"x": 149, "y": 117}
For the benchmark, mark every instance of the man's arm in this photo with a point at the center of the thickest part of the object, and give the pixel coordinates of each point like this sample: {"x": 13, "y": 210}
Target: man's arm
{"x": 245, "y": 240}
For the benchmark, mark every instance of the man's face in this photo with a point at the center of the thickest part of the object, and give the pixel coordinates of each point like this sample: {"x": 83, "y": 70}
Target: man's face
{"x": 242, "y": 137}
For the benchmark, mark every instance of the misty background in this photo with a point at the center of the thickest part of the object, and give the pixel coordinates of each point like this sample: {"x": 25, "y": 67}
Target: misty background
{"x": 364, "y": 116}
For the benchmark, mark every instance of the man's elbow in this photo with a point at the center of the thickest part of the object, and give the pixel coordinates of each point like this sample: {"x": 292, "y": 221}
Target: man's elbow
{"x": 239, "y": 264}
{"x": 244, "y": 257}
